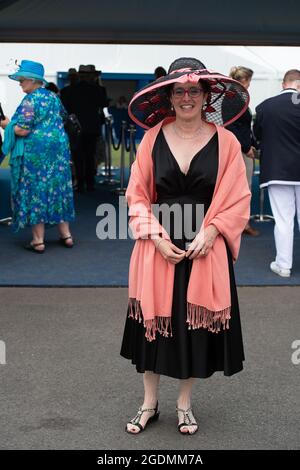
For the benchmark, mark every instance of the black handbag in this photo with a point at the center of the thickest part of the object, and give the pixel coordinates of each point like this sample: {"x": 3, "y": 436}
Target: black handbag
{"x": 72, "y": 126}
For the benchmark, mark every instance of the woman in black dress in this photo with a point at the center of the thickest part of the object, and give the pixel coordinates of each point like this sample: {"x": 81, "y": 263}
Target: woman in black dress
{"x": 185, "y": 162}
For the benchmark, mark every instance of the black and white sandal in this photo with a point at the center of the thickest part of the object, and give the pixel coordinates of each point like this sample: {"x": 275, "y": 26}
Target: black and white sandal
{"x": 136, "y": 420}
{"x": 187, "y": 421}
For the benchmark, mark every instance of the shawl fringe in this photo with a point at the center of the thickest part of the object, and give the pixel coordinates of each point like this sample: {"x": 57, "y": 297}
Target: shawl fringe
{"x": 160, "y": 324}
{"x": 201, "y": 317}
{"x": 197, "y": 317}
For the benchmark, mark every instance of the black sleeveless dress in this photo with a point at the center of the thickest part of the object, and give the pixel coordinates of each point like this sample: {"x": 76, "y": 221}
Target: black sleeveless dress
{"x": 188, "y": 353}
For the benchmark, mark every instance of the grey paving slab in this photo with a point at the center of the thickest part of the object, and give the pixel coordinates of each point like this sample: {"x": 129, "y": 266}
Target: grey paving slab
{"x": 64, "y": 385}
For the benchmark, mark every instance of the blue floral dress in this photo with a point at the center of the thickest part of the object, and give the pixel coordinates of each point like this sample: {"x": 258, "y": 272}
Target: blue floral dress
{"x": 43, "y": 191}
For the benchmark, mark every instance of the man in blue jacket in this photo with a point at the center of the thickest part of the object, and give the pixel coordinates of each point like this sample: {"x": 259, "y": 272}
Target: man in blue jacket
{"x": 277, "y": 127}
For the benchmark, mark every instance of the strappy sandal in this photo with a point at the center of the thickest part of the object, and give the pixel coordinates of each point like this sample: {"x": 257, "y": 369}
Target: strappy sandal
{"x": 32, "y": 247}
{"x": 187, "y": 421}
{"x": 136, "y": 420}
{"x": 62, "y": 241}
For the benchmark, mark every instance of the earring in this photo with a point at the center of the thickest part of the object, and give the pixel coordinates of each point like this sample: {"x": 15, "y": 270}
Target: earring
{"x": 172, "y": 108}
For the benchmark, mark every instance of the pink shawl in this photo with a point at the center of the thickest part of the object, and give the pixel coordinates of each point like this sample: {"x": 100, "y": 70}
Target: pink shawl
{"x": 151, "y": 276}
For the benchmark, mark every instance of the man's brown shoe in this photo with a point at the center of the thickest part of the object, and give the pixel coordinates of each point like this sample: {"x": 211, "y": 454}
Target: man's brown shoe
{"x": 248, "y": 230}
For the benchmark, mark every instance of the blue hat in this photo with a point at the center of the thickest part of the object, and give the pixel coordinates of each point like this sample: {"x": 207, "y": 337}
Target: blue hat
{"x": 29, "y": 69}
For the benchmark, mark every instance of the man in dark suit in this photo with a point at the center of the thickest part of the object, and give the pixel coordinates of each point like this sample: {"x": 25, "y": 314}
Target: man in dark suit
{"x": 277, "y": 128}
{"x": 65, "y": 93}
{"x": 86, "y": 99}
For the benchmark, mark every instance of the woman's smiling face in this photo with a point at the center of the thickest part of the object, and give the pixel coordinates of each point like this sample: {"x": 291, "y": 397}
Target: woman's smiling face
{"x": 187, "y": 100}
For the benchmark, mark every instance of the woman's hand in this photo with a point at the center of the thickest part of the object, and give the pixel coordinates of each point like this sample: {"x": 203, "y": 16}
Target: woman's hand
{"x": 4, "y": 122}
{"x": 21, "y": 132}
{"x": 169, "y": 251}
{"x": 202, "y": 243}
{"x": 251, "y": 153}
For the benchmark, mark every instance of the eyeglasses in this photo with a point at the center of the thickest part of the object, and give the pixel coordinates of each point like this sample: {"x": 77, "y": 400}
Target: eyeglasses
{"x": 193, "y": 92}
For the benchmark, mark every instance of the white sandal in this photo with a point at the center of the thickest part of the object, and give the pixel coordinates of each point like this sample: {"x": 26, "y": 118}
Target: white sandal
{"x": 187, "y": 421}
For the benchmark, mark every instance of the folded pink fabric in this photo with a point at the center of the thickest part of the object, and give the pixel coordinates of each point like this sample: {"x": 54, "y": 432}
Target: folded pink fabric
{"x": 151, "y": 277}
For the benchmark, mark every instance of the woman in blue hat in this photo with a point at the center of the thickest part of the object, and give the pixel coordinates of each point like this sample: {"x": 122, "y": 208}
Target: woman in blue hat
{"x": 40, "y": 159}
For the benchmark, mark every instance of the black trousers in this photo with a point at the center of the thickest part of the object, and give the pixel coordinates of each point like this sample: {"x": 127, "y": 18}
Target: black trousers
{"x": 85, "y": 160}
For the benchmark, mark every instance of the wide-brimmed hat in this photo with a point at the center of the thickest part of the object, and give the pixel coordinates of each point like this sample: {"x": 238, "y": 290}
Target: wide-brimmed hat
{"x": 88, "y": 69}
{"x": 29, "y": 69}
{"x": 227, "y": 99}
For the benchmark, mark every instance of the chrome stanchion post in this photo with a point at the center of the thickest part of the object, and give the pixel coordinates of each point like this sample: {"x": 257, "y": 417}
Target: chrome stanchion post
{"x": 122, "y": 189}
{"x": 132, "y": 132}
{"x": 109, "y": 149}
{"x": 107, "y": 171}
{"x": 261, "y": 217}
{"x": 106, "y": 132}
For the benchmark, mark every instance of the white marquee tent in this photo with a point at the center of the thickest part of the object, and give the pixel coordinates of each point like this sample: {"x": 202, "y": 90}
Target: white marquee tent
{"x": 268, "y": 63}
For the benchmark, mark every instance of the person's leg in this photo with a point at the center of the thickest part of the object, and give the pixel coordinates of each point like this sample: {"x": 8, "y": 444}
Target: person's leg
{"x": 282, "y": 201}
{"x": 151, "y": 382}
{"x": 184, "y": 403}
{"x": 249, "y": 169}
{"x": 74, "y": 146}
{"x": 297, "y": 196}
{"x": 79, "y": 157}
{"x": 249, "y": 164}
{"x": 102, "y": 149}
{"x": 38, "y": 232}
{"x": 64, "y": 232}
{"x": 90, "y": 146}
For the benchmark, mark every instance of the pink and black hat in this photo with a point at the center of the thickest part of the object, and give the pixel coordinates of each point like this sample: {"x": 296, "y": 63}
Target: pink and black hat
{"x": 227, "y": 98}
